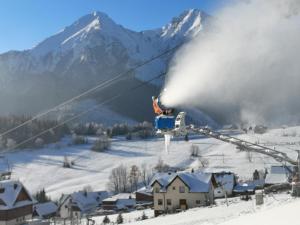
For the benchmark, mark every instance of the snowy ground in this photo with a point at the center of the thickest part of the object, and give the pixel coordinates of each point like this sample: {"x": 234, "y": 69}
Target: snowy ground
{"x": 238, "y": 212}
{"x": 42, "y": 168}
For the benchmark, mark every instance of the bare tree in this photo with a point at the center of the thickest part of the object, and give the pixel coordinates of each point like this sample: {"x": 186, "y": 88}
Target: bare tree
{"x": 161, "y": 166}
{"x": 118, "y": 179}
{"x": 101, "y": 144}
{"x": 203, "y": 163}
{"x": 195, "y": 151}
{"x": 146, "y": 174}
{"x": 249, "y": 156}
{"x": 134, "y": 177}
{"x": 66, "y": 163}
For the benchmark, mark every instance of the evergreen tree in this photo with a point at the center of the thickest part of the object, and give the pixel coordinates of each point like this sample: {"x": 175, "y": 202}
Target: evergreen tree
{"x": 106, "y": 220}
{"x": 41, "y": 196}
{"x": 144, "y": 217}
{"x": 120, "y": 219}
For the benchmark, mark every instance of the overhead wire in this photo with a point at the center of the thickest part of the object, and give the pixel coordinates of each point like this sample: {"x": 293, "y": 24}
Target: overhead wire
{"x": 86, "y": 111}
{"x": 89, "y": 91}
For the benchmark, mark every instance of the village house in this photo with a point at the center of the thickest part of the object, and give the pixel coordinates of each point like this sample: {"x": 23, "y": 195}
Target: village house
{"x": 119, "y": 202}
{"x": 226, "y": 182}
{"x": 80, "y": 203}
{"x": 16, "y": 204}
{"x": 183, "y": 190}
{"x": 279, "y": 175}
{"x": 144, "y": 196}
{"x": 45, "y": 210}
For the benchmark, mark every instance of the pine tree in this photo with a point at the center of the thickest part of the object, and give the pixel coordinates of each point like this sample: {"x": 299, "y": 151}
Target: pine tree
{"x": 106, "y": 220}
{"x": 120, "y": 219}
{"x": 144, "y": 217}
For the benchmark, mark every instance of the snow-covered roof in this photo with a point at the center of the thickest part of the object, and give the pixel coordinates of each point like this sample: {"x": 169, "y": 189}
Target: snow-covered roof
{"x": 86, "y": 201}
{"x": 45, "y": 209}
{"x": 9, "y": 192}
{"x": 196, "y": 182}
{"x": 227, "y": 180}
{"x": 122, "y": 200}
{"x": 244, "y": 187}
{"x": 119, "y": 196}
{"x": 278, "y": 174}
{"x": 163, "y": 178}
{"x": 145, "y": 190}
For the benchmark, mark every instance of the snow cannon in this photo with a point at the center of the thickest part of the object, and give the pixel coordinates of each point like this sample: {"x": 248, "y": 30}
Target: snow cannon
{"x": 164, "y": 123}
{"x": 167, "y": 124}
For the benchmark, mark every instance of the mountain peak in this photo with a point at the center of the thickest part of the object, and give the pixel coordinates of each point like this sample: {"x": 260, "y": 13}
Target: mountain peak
{"x": 78, "y": 30}
{"x": 190, "y": 22}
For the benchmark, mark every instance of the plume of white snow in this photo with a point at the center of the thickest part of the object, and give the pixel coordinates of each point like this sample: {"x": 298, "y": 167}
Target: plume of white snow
{"x": 246, "y": 67}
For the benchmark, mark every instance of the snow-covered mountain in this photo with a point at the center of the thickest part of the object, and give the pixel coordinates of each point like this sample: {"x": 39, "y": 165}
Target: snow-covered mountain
{"x": 86, "y": 53}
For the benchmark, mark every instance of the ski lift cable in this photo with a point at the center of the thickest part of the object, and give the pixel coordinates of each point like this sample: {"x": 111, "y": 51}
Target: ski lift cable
{"x": 87, "y": 111}
{"x": 89, "y": 91}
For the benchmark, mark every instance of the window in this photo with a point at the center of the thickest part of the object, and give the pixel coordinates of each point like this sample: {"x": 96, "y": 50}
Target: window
{"x": 160, "y": 202}
{"x": 169, "y": 202}
{"x": 198, "y": 202}
{"x": 181, "y": 189}
{"x": 157, "y": 190}
{"x": 174, "y": 188}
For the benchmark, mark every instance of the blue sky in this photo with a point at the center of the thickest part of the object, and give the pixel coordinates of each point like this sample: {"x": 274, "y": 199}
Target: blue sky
{"x": 24, "y": 23}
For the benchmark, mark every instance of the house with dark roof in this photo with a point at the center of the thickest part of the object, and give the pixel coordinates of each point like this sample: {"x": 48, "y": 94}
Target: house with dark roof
{"x": 45, "y": 210}
{"x": 144, "y": 196}
{"x": 80, "y": 203}
{"x": 119, "y": 202}
{"x": 182, "y": 190}
{"x": 16, "y": 203}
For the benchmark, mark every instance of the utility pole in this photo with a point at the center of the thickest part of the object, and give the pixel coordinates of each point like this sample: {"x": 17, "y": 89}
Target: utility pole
{"x": 298, "y": 161}
{"x": 225, "y": 193}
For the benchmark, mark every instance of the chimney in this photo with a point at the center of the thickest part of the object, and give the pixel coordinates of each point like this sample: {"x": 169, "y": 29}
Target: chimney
{"x": 15, "y": 186}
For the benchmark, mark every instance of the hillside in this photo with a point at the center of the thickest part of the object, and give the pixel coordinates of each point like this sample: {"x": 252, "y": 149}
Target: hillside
{"x": 43, "y": 167}
{"x": 88, "y": 52}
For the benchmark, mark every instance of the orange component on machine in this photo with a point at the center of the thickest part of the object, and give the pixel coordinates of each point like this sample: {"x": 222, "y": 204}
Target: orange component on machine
{"x": 156, "y": 107}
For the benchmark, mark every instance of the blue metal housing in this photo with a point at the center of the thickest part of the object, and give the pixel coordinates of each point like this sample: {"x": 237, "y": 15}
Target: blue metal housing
{"x": 164, "y": 122}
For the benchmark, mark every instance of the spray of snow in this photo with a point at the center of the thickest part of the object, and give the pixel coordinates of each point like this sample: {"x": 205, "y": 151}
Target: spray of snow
{"x": 167, "y": 142}
{"x": 246, "y": 67}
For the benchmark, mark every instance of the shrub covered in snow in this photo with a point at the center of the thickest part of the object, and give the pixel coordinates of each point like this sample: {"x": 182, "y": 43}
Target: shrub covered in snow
{"x": 101, "y": 144}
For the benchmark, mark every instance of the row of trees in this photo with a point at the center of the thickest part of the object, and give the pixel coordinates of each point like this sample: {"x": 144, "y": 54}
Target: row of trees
{"x": 120, "y": 219}
{"x": 127, "y": 179}
{"x": 42, "y": 129}
{"x": 142, "y": 130}
{"x": 34, "y": 133}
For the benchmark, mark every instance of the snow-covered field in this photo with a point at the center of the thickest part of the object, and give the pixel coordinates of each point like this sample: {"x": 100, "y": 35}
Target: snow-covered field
{"x": 277, "y": 210}
{"x": 42, "y": 168}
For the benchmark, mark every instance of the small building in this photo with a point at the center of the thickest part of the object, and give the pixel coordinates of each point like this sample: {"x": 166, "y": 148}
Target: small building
{"x": 226, "y": 182}
{"x": 16, "y": 203}
{"x": 244, "y": 188}
{"x": 144, "y": 194}
{"x": 119, "y": 202}
{"x": 183, "y": 190}
{"x": 45, "y": 210}
{"x": 80, "y": 203}
{"x": 279, "y": 175}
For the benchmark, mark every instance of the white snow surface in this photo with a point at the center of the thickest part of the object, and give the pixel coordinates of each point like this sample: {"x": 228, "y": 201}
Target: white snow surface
{"x": 277, "y": 210}
{"x": 42, "y": 168}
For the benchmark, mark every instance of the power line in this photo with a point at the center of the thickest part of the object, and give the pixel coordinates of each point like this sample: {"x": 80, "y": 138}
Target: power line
{"x": 88, "y": 110}
{"x": 97, "y": 87}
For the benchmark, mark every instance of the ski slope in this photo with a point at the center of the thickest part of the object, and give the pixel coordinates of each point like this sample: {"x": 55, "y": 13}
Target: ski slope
{"x": 42, "y": 168}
